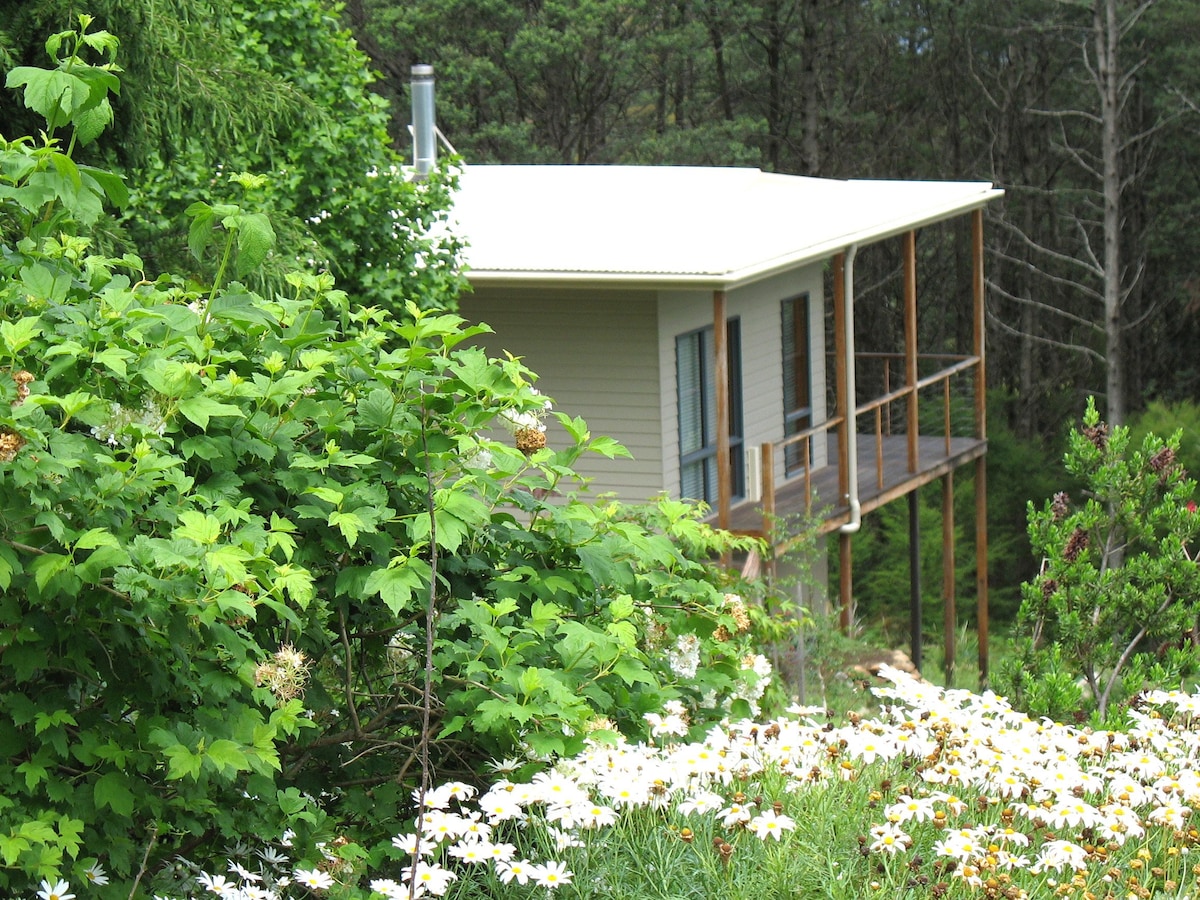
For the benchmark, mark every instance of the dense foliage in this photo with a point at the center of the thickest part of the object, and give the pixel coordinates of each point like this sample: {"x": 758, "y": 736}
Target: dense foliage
{"x": 275, "y": 87}
{"x": 254, "y": 547}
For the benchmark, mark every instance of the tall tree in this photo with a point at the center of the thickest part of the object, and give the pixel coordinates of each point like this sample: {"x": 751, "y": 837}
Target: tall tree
{"x": 277, "y": 88}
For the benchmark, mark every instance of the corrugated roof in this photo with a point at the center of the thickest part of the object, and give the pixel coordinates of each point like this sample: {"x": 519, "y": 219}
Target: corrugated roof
{"x": 715, "y": 227}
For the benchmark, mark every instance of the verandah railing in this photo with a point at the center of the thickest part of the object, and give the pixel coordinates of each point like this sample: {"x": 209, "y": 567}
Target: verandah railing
{"x": 896, "y": 412}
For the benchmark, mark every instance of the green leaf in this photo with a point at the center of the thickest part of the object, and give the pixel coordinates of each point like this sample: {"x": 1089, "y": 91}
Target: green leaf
{"x": 349, "y": 524}
{"x": 255, "y": 238}
{"x": 542, "y": 615}
{"x": 604, "y": 569}
{"x": 182, "y": 763}
{"x": 231, "y": 563}
{"x": 116, "y": 360}
{"x": 377, "y": 409}
{"x": 494, "y": 713}
{"x": 624, "y": 632}
{"x": 200, "y": 409}
{"x": 20, "y": 334}
{"x": 609, "y": 447}
{"x": 112, "y": 185}
{"x": 395, "y": 585}
{"x": 199, "y": 527}
{"x": 9, "y": 565}
{"x": 240, "y": 309}
{"x": 96, "y": 537}
{"x": 201, "y": 230}
{"x": 52, "y": 94}
{"x": 101, "y": 41}
{"x": 298, "y": 583}
{"x": 34, "y": 773}
{"x": 48, "y": 565}
{"x": 333, "y": 496}
{"x": 632, "y": 672}
{"x": 530, "y": 682}
{"x": 228, "y": 756}
{"x": 104, "y": 559}
{"x": 11, "y": 849}
{"x": 621, "y": 607}
{"x": 112, "y": 790}
{"x": 44, "y": 721}
{"x": 90, "y": 123}
{"x": 45, "y": 284}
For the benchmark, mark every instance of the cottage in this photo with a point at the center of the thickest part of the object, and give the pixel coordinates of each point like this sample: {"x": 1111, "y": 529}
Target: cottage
{"x": 685, "y": 312}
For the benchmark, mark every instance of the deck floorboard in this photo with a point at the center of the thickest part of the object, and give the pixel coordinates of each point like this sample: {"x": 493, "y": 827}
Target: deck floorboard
{"x": 934, "y": 460}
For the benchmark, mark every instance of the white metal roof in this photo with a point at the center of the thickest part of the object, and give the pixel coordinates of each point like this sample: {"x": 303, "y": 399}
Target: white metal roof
{"x": 674, "y": 225}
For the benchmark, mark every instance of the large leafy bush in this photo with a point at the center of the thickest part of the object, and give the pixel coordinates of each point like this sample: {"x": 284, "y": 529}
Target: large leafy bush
{"x": 255, "y": 550}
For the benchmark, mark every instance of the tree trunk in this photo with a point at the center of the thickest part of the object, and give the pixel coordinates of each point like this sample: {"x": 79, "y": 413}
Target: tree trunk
{"x": 1107, "y": 36}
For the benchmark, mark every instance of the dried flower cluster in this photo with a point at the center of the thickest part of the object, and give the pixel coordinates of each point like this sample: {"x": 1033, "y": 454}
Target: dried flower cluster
{"x": 528, "y": 427}
{"x": 1163, "y": 461}
{"x": 1076, "y": 544}
{"x": 284, "y": 674}
{"x": 1098, "y": 435}
{"x": 10, "y": 444}
{"x": 737, "y": 608}
{"x": 22, "y": 378}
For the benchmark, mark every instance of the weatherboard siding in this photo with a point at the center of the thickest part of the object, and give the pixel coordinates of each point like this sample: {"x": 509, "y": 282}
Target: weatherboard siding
{"x": 595, "y": 352}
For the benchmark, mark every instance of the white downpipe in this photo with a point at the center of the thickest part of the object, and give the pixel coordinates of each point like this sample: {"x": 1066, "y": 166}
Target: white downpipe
{"x": 851, "y": 423}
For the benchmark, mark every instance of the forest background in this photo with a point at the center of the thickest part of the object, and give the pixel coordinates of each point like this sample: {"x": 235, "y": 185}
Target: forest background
{"x": 1085, "y": 113}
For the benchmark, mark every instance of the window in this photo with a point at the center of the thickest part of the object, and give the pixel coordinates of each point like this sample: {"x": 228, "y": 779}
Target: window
{"x": 797, "y": 390}
{"x": 695, "y": 381}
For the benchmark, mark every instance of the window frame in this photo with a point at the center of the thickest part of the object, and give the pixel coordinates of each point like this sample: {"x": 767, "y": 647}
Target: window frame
{"x": 701, "y": 357}
{"x": 797, "y": 409}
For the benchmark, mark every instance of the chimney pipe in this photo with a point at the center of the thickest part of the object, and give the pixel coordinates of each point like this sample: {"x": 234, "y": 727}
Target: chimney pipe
{"x": 423, "y": 127}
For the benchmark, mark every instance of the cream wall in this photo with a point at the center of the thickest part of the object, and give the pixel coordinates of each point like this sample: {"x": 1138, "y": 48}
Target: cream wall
{"x": 595, "y": 352}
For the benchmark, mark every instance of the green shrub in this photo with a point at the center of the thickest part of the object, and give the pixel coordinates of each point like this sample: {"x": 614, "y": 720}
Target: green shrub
{"x": 1115, "y": 604}
{"x": 234, "y": 529}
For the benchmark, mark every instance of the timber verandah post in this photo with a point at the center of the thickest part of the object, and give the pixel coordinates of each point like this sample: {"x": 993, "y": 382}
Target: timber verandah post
{"x": 981, "y": 552}
{"x": 721, "y": 379}
{"x": 912, "y": 427}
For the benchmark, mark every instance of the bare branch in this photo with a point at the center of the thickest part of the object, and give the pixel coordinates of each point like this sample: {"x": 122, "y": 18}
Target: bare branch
{"x": 1056, "y": 255}
{"x": 1064, "y": 114}
{"x": 1038, "y": 304}
{"x": 1074, "y": 348}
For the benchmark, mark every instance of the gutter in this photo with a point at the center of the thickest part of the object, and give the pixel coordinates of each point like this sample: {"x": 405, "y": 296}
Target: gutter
{"x": 851, "y": 423}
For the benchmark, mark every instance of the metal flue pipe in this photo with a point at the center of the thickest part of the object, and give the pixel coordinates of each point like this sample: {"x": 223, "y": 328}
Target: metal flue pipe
{"x": 424, "y": 127}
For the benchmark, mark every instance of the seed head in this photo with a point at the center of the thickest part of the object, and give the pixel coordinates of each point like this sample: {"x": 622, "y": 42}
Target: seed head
{"x": 10, "y": 444}
{"x": 1098, "y": 435}
{"x": 1076, "y": 544}
{"x": 22, "y": 378}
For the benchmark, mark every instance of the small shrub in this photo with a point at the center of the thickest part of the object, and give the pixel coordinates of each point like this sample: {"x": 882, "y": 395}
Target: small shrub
{"x": 1118, "y": 586}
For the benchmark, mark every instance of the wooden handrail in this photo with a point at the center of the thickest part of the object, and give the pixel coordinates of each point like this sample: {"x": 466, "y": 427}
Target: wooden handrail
{"x": 877, "y": 405}
{"x": 808, "y": 432}
{"x": 968, "y": 362}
